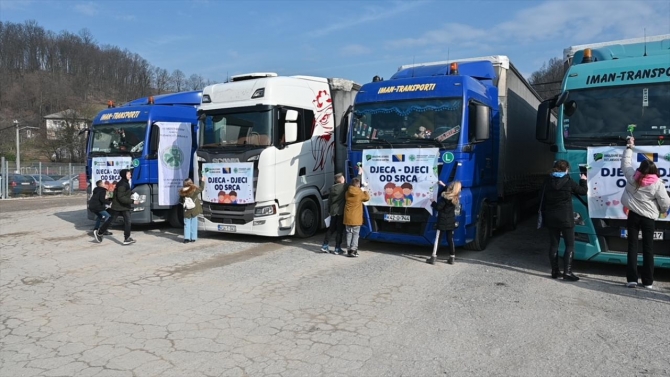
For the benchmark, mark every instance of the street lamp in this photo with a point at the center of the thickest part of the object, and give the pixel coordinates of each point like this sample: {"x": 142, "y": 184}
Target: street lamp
{"x": 18, "y": 145}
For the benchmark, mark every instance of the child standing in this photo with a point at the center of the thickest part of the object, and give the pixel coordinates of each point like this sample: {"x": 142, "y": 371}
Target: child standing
{"x": 191, "y": 191}
{"x": 336, "y": 209}
{"x": 98, "y": 205}
{"x": 447, "y": 208}
{"x": 353, "y": 215}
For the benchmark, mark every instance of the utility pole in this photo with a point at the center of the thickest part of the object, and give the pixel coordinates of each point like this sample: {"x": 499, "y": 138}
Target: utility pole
{"x": 18, "y": 146}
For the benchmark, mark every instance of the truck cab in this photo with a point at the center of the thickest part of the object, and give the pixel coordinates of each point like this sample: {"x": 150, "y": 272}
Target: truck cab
{"x": 284, "y": 129}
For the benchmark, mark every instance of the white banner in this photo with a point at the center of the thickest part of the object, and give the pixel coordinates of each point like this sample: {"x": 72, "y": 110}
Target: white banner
{"x": 401, "y": 177}
{"x": 607, "y": 182}
{"x": 174, "y": 159}
{"x": 107, "y": 169}
{"x": 229, "y": 182}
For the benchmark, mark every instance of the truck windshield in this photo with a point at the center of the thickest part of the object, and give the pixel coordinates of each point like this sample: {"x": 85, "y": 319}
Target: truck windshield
{"x": 434, "y": 120}
{"x": 605, "y": 113}
{"x": 238, "y": 129}
{"x": 118, "y": 138}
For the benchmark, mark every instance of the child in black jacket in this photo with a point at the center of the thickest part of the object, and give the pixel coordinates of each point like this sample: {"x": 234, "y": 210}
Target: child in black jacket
{"x": 98, "y": 205}
{"x": 448, "y": 208}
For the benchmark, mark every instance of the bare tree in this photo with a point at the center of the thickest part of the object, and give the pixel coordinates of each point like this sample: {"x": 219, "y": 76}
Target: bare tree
{"x": 547, "y": 80}
{"x": 196, "y": 82}
{"x": 178, "y": 80}
{"x": 162, "y": 80}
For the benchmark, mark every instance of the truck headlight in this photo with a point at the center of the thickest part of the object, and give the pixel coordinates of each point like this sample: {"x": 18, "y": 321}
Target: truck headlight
{"x": 265, "y": 210}
{"x": 579, "y": 220}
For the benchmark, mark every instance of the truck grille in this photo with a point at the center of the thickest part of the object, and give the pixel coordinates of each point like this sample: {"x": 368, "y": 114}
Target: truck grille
{"x": 238, "y": 214}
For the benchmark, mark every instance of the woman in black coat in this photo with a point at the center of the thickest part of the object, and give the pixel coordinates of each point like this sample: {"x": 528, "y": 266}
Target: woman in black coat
{"x": 558, "y": 215}
{"x": 447, "y": 208}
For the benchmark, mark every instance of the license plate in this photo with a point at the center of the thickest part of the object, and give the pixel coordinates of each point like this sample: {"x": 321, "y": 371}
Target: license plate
{"x": 227, "y": 228}
{"x": 658, "y": 236}
{"x": 396, "y": 218}
{"x": 25, "y": 183}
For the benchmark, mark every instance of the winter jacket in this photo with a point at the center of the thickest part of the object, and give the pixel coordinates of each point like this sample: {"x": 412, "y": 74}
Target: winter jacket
{"x": 192, "y": 192}
{"x": 353, "y": 209}
{"x": 557, "y": 211}
{"x": 98, "y": 201}
{"x": 446, "y": 214}
{"x": 336, "y": 199}
{"x": 121, "y": 200}
{"x": 649, "y": 200}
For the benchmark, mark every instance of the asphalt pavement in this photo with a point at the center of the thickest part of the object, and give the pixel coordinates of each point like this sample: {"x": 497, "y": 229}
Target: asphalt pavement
{"x": 233, "y": 305}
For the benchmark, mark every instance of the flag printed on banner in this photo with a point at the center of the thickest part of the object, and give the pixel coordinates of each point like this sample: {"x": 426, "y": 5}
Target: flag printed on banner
{"x": 107, "y": 169}
{"x": 607, "y": 182}
{"x": 174, "y": 160}
{"x": 407, "y": 179}
{"x": 229, "y": 182}
{"x": 653, "y": 157}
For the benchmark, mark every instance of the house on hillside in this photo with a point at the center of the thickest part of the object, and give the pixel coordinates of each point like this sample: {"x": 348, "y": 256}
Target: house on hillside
{"x": 63, "y": 119}
{"x": 65, "y": 146}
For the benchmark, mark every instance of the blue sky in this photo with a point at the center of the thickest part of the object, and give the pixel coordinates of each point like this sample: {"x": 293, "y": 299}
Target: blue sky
{"x": 349, "y": 39}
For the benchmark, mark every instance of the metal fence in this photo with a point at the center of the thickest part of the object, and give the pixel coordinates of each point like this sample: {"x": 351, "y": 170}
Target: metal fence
{"x": 65, "y": 179}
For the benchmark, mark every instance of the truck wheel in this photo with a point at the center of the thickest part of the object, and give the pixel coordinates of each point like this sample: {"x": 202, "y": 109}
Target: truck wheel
{"x": 482, "y": 232}
{"x": 176, "y": 216}
{"x": 307, "y": 219}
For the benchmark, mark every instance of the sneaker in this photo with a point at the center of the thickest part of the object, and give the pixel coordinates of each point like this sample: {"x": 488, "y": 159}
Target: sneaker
{"x": 192, "y": 240}
{"x": 324, "y": 248}
{"x": 128, "y": 241}
{"x": 107, "y": 233}
{"x": 337, "y": 251}
{"x": 451, "y": 259}
{"x": 631, "y": 284}
{"x": 430, "y": 260}
{"x": 98, "y": 237}
{"x": 187, "y": 241}
{"x": 354, "y": 254}
{"x": 649, "y": 287}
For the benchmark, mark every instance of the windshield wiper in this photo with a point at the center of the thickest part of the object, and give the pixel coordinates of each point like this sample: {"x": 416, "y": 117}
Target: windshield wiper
{"x": 431, "y": 141}
{"x": 380, "y": 140}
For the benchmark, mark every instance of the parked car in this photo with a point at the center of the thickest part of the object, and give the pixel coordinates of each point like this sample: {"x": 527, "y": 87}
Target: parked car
{"x": 21, "y": 185}
{"x": 73, "y": 179}
{"x": 49, "y": 185}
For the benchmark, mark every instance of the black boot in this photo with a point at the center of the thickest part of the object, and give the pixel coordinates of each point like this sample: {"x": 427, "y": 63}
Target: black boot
{"x": 567, "y": 266}
{"x": 451, "y": 259}
{"x": 431, "y": 260}
{"x": 553, "y": 259}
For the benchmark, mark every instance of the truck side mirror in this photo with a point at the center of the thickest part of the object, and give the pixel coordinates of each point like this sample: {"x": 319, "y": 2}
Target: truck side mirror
{"x": 542, "y": 129}
{"x": 344, "y": 126}
{"x": 291, "y": 127}
{"x": 482, "y": 123}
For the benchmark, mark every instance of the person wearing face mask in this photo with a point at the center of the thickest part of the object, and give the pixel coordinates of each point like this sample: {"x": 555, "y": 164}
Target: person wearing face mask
{"x": 558, "y": 215}
{"x": 121, "y": 206}
{"x": 646, "y": 199}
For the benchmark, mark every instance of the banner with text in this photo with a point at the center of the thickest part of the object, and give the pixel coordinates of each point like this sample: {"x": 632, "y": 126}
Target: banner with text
{"x": 174, "y": 157}
{"x": 607, "y": 182}
{"x": 107, "y": 169}
{"x": 229, "y": 182}
{"x": 401, "y": 177}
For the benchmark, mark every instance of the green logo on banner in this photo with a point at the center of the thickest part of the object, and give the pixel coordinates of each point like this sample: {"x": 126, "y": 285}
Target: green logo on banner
{"x": 448, "y": 157}
{"x": 136, "y": 162}
{"x": 172, "y": 158}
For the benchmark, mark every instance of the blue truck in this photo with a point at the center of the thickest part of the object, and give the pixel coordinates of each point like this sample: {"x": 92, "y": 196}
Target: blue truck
{"x": 480, "y": 114}
{"x": 607, "y": 88}
{"x": 130, "y": 130}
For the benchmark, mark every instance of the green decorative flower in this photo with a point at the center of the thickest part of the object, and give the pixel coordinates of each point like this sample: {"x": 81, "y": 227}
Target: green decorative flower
{"x": 631, "y": 128}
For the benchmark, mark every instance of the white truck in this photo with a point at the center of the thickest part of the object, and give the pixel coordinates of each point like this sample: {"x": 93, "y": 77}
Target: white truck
{"x": 267, "y": 149}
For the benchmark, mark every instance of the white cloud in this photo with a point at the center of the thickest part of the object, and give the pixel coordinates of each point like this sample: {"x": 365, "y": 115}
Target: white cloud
{"x": 6, "y": 5}
{"x": 370, "y": 14}
{"x": 575, "y": 21}
{"x": 354, "y": 50}
{"x": 88, "y": 9}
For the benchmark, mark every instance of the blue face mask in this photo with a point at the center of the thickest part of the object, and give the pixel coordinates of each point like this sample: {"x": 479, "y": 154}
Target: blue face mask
{"x": 558, "y": 174}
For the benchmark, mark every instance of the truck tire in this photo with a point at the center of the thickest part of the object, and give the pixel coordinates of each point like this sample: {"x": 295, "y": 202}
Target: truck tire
{"x": 307, "y": 218}
{"x": 176, "y": 216}
{"x": 482, "y": 232}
